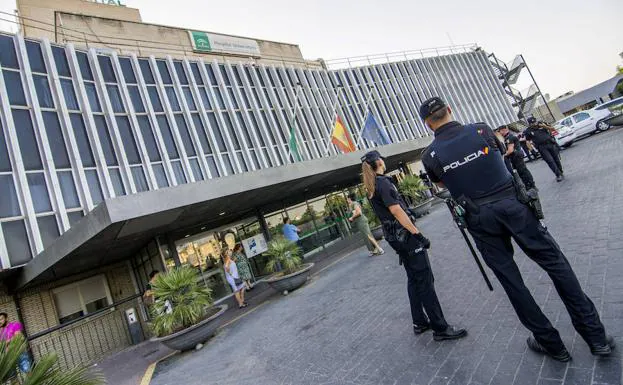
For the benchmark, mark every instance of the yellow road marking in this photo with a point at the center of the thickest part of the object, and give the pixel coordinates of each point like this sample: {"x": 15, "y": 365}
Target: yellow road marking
{"x": 243, "y": 315}
{"x": 149, "y": 373}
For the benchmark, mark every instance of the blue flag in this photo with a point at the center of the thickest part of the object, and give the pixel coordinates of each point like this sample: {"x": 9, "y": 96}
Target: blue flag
{"x": 373, "y": 131}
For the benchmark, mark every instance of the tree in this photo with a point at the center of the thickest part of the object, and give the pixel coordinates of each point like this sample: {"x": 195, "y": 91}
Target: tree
{"x": 620, "y": 85}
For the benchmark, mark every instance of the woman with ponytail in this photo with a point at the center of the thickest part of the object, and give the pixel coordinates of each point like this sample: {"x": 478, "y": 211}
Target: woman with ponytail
{"x": 410, "y": 245}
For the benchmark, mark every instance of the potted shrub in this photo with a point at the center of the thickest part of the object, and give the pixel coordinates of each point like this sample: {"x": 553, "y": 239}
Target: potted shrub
{"x": 414, "y": 189}
{"x": 45, "y": 371}
{"x": 183, "y": 315}
{"x": 284, "y": 259}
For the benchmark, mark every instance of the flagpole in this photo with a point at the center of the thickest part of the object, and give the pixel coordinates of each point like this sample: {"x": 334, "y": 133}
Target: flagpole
{"x": 365, "y": 116}
{"x": 293, "y": 125}
{"x": 335, "y": 105}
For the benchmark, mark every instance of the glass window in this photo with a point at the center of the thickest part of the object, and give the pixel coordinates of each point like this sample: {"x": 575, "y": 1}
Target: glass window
{"x": 68, "y": 189}
{"x": 75, "y": 217}
{"x": 204, "y": 98}
{"x": 16, "y": 240}
{"x": 5, "y": 162}
{"x": 107, "y": 71}
{"x": 82, "y": 140}
{"x": 212, "y": 166}
{"x": 105, "y": 140}
{"x": 219, "y": 98}
{"x": 127, "y": 137}
{"x": 94, "y": 186}
{"x": 183, "y": 130}
{"x": 232, "y": 134}
{"x": 117, "y": 181}
{"x": 165, "y": 131}
{"x": 194, "y": 165}
{"x": 94, "y": 101}
{"x": 232, "y": 98}
{"x": 164, "y": 72}
{"x": 79, "y": 299}
{"x": 245, "y": 131}
{"x": 48, "y": 228}
{"x": 139, "y": 179}
{"x": 85, "y": 67}
{"x": 148, "y": 138}
{"x": 175, "y": 104}
{"x": 188, "y": 95}
{"x": 55, "y": 139}
{"x": 35, "y": 56}
{"x": 581, "y": 117}
{"x": 62, "y": 66}
{"x": 179, "y": 172}
{"x": 13, "y": 83}
{"x": 181, "y": 74}
{"x": 242, "y": 162}
{"x": 8, "y": 56}
{"x": 161, "y": 177}
{"x": 155, "y": 99}
{"x": 69, "y": 94}
{"x": 196, "y": 73}
{"x": 39, "y": 192}
{"x": 135, "y": 96}
{"x": 146, "y": 71}
{"x": 228, "y": 166}
{"x": 211, "y": 76}
{"x": 203, "y": 138}
{"x": 44, "y": 94}
{"x": 115, "y": 98}
{"x": 217, "y": 133}
{"x": 9, "y": 205}
{"x": 126, "y": 68}
{"x": 27, "y": 140}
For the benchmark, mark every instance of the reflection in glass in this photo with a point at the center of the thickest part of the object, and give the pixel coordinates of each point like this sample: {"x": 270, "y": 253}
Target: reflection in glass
{"x": 194, "y": 165}
{"x": 117, "y": 181}
{"x": 55, "y": 139}
{"x": 68, "y": 189}
{"x": 115, "y": 98}
{"x": 105, "y": 140}
{"x": 48, "y": 228}
{"x": 135, "y": 96}
{"x": 44, "y": 94}
{"x": 9, "y": 205}
{"x": 175, "y": 105}
{"x": 127, "y": 137}
{"x": 94, "y": 101}
{"x": 94, "y": 186}
{"x": 148, "y": 138}
{"x": 8, "y": 57}
{"x": 179, "y": 172}
{"x": 161, "y": 177}
{"x": 183, "y": 130}
{"x": 106, "y": 67}
{"x": 155, "y": 99}
{"x": 75, "y": 217}
{"x": 16, "y": 241}
{"x": 83, "y": 141}
{"x": 85, "y": 68}
{"x": 13, "y": 84}
{"x": 126, "y": 68}
{"x": 62, "y": 66}
{"x": 27, "y": 140}
{"x": 39, "y": 192}
{"x": 69, "y": 94}
{"x": 139, "y": 179}
{"x": 165, "y": 131}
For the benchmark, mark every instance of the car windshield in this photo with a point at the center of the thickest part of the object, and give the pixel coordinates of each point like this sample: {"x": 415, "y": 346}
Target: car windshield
{"x": 613, "y": 104}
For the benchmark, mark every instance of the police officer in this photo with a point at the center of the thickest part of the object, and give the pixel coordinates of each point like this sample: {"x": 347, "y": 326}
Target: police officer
{"x": 515, "y": 157}
{"x": 468, "y": 161}
{"x": 411, "y": 247}
{"x": 541, "y": 135}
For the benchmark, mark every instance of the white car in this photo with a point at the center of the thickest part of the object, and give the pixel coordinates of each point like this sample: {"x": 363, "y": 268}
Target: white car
{"x": 564, "y": 136}
{"x": 586, "y": 122}
{"x": 615, "y": 106}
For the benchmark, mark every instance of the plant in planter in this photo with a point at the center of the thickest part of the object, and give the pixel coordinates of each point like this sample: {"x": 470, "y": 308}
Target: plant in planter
{"x": 414, "y": 189}
{"x": 182, "y": 312}
{"x": 284, "y": 257}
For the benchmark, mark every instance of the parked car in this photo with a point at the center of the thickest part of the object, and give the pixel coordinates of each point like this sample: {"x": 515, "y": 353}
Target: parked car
{"x": 586, "y": 122}
{"x": 615, "y": 107}
{"x": 564, "y": 136}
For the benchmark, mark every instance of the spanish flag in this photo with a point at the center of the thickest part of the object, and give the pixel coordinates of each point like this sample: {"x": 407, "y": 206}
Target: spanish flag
{"x": 341, "y": 137}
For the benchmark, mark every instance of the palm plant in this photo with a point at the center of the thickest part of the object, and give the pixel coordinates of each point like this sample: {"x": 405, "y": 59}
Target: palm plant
{"x": 284, "y": 253}
{"x": 413, "y": 187}
{"x": 45, "y": 371}
{"x": 179, "y": 300}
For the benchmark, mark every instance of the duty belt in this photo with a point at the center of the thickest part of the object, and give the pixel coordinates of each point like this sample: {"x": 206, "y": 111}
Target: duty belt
{"x": 498, "y": 196}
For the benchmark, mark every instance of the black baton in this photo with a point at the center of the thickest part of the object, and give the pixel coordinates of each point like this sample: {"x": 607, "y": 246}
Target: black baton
{"x": 469, "y": 244}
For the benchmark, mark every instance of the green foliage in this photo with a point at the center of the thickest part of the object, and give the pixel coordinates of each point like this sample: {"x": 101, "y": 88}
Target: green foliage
{"x": 45, "y": 371}
{"x": 179, "y": 300}
{"x": 309, "y": 215}
{"x": 373, "y": 220}
{"x": 285, "y": 253}
{"x": 413, "y": 187}
{"x": 336, "y": 203}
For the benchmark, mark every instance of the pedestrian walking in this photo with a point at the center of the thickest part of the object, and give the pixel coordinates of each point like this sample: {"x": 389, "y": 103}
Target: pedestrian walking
{"x": 8, "y": 331}
{"x": 515, "y": 157}
{"x": 541, "y": 135}
{"x": 243, "y": 265}
{"x": 405, "y": 238}
{"x": 232, "y": 277}
{"x": 360, "y": 223}
{"x": 468, "y": 161}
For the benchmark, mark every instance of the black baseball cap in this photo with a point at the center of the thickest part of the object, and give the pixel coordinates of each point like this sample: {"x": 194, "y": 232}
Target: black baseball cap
{"x": 531, "y": 120}
{"x": 371, "y": 157}
{"x": 430, "y": 106}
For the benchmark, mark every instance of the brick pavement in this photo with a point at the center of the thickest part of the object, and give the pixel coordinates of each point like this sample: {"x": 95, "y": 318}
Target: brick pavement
{"x": 351, "y": 324}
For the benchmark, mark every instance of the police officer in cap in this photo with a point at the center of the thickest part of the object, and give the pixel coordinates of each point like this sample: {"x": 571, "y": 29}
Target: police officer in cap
{"x": 515, "y": 157}
{"x": 541, "y": 135}
{"x": 402, "y": 235}
{"x": 468, "y": 161}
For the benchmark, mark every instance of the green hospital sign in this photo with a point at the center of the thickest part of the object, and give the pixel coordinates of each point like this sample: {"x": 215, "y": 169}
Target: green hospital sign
{"x": 215, "y": 43}
{"x": 200, "y": 41}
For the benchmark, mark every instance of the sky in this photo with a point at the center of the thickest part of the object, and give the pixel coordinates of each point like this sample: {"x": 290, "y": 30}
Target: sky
{"x": 568, "y": 44}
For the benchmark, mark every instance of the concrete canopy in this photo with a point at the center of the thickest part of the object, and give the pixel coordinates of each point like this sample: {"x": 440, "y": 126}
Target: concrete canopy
{"x": 117, "y": 228}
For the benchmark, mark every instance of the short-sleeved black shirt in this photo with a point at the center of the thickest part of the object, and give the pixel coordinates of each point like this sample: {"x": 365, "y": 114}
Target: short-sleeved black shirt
{"x": 385, "y": 195}
{"x": 538, "y": 135}
{"x": 514, "y": 140}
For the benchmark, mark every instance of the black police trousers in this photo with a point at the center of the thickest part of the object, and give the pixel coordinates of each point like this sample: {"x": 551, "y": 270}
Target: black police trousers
{"x": 420, "y": 284}
{"x": 492, "y": 229}
{"x": 524, "y": 173}
{"x": 550, "y": 154}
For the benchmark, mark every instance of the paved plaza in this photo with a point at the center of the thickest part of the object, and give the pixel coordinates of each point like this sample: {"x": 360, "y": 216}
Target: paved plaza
{"x": 351, "y": 324}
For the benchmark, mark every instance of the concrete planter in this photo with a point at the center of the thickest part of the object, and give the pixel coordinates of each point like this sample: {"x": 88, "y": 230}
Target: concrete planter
{"x": 422, "y": 209}
{"x": 292, "y": 281}
{"x": 377, "y": 233}
{"x": 189, "y": 338}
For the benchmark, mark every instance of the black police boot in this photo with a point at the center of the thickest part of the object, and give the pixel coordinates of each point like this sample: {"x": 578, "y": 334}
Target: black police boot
{"x": 559, "y": 178}
{"x": 603, "y": 349}
{"x": 562, "y": 356}
{"x": 419, "y": 329}
{"x": 451, "y": 333}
